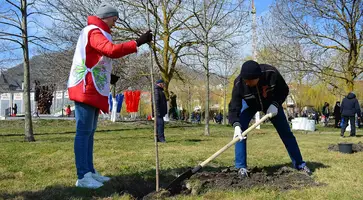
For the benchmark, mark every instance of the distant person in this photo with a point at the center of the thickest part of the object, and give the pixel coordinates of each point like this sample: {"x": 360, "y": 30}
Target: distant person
{"x": 193, "y": 117}
{"x": 198, "y": 117}
{"x": 68, "y": 110}
{"x": 37, "y": 112}
{"x": 315, "y": 116}
{"x": 326, "y": 113}
{"x": 349, "y": 108}
{"x": 174, "y": 106}
{"x": 36, "y": 97}
{"x": 161, "y": 109}
{"x": 15, "y": 109}
{"x": 337, "y": 114}
{"x": 219, "y": 118}
{"x": 89, "y": 85}
{"x": 304, "y": 112}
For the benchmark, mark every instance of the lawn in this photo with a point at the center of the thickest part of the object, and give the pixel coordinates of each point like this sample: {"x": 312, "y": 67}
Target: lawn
{"x": 125, "y": 151}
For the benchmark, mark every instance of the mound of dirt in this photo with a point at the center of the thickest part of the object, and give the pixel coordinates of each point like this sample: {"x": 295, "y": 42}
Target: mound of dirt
{"x": 283, "y": 178}
{"x": 356, "y": 147}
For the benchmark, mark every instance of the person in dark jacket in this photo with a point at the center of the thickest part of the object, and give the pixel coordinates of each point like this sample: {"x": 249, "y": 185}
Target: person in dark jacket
{"x": 326, "y": 113}
{"x": 174, "y": 108}
{"x": 349, "y": 108}
{"x": 337, "y": 115}
{"x": 263, "y": 89}
{"x": 161, "y": 109}
{"x": 15, "y": 109}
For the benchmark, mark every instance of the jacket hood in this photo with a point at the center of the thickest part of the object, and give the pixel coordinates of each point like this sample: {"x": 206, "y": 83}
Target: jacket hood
{"x": 94, "y": 20}
{"x": 351, "y": 95}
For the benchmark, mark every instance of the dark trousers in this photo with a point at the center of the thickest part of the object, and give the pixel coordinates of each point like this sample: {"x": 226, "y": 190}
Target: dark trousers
{"x": 345, "y": 124}
{"x": 283, "y": 129}
{"x": 337, "y": 121}
{"x": 160, "y": 128}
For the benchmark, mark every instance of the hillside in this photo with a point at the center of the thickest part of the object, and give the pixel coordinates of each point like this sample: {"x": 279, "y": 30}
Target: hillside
{"x": 53, "y": 68}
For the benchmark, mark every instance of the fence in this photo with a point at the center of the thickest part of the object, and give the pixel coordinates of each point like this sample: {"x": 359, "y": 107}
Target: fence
{"x": 8, "y": 100}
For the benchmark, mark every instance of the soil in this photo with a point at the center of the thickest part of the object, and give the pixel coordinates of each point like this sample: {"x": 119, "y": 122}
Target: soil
{"x": 283, "y": 179}
{"x": 356, "y": 147}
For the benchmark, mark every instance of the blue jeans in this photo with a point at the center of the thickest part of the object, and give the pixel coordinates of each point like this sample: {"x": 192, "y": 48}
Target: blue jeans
{"x": 86, "y": 123}
{"x": 283, "y": 129}
{"x": 160, "y": 128}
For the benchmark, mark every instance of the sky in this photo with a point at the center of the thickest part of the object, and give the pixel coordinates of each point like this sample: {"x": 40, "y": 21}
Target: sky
{"x": 262, "y": 8}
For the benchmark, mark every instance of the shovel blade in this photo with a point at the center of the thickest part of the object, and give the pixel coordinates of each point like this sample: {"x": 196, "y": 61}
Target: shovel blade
{"x": 176, "y": 182}
{"x": 186, "y": 175}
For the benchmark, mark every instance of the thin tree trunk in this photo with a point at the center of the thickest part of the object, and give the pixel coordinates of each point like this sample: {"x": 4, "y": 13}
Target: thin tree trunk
{"x": 190, "y": 104}
{"x": 225, "y": 98}
{"x": 206, "y": 66}
{"x": 206, "y": 115}
{"x": 29, "y": 136}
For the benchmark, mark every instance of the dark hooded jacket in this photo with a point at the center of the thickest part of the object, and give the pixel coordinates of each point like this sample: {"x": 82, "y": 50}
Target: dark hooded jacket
{"x": 160, "y": 101}
{"x": 271, "y": 89}
{"x": 350, "y": 106}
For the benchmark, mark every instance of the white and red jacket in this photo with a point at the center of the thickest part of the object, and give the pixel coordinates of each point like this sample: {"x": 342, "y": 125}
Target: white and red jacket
{"x": 89, "y": 80}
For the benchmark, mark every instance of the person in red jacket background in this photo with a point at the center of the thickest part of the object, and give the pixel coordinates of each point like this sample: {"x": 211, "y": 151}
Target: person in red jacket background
{"x": 89, "y": 85}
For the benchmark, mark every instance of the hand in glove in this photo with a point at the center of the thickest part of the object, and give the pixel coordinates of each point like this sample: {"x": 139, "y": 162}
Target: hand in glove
{"x": 114, "y": 79}
{"x": 238, "y": 133}
{"x": 272, "y": 109}
{"x": 144, "y": 38}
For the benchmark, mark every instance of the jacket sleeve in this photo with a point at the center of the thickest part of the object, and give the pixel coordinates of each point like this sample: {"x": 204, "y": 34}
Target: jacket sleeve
{"x": 157, "y": 102}
{"x": 341, "y": 106}
{"x": 235, "y": 105}
{"x": 357, "y": 108}
{"x": 281, "y": 90}
{"x": 99, "y": 42}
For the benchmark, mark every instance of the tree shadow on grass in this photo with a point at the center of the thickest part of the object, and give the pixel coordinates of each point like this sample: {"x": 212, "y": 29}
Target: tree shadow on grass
{"x": 97, "y": 131}
{"x": 137, "y": 185}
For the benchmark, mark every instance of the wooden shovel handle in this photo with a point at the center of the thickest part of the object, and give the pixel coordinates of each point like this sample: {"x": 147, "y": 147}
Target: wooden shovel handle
{"x": 235, "y": 140}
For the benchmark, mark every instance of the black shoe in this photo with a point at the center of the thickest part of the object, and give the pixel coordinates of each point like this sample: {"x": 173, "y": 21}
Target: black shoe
{"x": 306, "y": 170}
{"x": 342, "y": 136}
{"x": 352, "y": 136}
{"x": 162, "y": 141}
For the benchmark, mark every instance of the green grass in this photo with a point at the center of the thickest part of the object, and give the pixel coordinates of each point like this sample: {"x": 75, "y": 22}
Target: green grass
{"x": 45, "y": 169}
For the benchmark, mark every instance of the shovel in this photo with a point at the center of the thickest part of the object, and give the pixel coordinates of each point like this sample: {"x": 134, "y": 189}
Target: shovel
{"x": 190, "y": 172}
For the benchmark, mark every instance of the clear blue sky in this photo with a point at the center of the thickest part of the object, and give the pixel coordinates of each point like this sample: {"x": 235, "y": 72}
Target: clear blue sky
{"x": 262, "y": 6}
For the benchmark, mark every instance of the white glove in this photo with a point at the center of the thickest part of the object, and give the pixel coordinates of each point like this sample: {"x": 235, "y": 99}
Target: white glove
{"x": 272, "y": 109}
{"x": 238, "y": 133}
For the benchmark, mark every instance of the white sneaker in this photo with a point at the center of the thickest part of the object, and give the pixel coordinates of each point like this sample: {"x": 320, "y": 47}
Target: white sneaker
{"x": 98, "y": 177}
{"x": 88, "y": 182}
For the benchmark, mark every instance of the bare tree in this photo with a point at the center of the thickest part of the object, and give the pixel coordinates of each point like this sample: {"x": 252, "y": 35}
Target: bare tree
{"x": 220, "y": 24}
{"x": 168, "y": 19}
{"x": 323, "y": 38}
{"x": 225, "y": 69}
{"x": 16, "y": 18}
